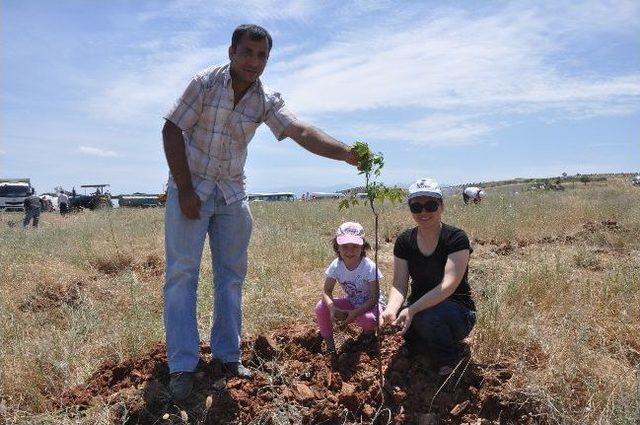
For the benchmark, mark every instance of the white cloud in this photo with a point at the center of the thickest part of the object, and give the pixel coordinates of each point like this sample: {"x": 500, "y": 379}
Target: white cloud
{"x": 151, "y": 88}
{"x": 204, "y": 14}
{"x": 449, "y": 61}
{"x": 433, "y": 130}
{"x": 91, "y": 151}
{"x": 463, "y": 69}
{"x": 2, "y": 152}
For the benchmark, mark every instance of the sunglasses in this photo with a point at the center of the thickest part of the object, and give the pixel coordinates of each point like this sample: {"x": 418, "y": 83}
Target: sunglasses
{"x": 429, "y": 206}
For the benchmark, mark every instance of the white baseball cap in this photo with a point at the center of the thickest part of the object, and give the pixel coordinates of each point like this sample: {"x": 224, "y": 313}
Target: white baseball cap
{"x": 350, "y": 232}
{"x": 425, "y": 187}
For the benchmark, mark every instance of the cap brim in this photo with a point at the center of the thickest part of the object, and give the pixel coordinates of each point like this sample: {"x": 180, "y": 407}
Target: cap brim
{"x": 425, "y": 193}
{"x": 344, "y": 239}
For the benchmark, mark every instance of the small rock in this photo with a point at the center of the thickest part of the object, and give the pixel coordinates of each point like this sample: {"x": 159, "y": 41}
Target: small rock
{"x": 459, "y": 407}
{"x": 265, "y": 347}
{"x": 347, "y": 389}
{"x": 368, "y": 411}
{"x": 303, "y": 392}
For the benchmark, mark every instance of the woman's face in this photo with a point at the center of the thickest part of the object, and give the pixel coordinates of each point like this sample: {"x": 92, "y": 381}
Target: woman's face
{"x": 426, "y": 211}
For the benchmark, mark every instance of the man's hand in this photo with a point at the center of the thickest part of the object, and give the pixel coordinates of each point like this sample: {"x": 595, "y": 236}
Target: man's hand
{"x": 388, "y": 317}
{"x": 189, "y": 203}
{"x": 404, "y": 321}
{"x": 351, "y": 158}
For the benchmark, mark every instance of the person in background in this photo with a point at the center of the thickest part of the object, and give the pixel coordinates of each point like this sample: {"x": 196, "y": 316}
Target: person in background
{"x": 356, "y": 274}
{"x": 439, "y": 312}
{"x": 206, "y": 135}
{"x": 63, "y": 203}
{"x": 472, "y": 193}
{"x": 32, "y": 207}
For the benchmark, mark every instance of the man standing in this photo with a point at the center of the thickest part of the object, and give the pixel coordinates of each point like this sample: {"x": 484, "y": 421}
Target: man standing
{"x": 205, "y": 136}
{"x": 63, "y": 203}
{"x": 32, "y": 206}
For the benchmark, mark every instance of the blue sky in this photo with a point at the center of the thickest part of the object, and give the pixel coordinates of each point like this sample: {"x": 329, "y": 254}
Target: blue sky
{"x": 470, "y": 91}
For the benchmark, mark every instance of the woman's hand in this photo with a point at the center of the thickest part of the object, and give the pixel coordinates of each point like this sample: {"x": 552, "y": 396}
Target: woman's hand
{"x": 404, "y": 321}
{"x": 388, "y": 317}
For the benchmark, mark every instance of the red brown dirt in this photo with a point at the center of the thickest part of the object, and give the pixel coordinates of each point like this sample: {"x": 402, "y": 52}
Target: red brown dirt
{"x": 296, "y": 383}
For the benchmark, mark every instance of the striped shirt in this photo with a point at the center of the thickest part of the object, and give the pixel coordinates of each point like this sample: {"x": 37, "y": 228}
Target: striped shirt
{"x": 216, "y": 133}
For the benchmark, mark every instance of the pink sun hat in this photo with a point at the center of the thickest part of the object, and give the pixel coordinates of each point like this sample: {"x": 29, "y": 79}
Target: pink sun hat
{"x": 350, "y": 232}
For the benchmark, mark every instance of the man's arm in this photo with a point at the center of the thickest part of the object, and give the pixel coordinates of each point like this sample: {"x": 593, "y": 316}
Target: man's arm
{"x": 177, "y": 160}
{"x": 318, "y": 142}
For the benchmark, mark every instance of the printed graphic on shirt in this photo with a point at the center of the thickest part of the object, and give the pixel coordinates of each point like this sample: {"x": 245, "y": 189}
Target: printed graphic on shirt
{"x": 355, "y": 283}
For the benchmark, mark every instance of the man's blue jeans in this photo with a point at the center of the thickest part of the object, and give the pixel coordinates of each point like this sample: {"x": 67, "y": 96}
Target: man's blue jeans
{"x": 229, "y": 229}
{"x": 439, "y": 331}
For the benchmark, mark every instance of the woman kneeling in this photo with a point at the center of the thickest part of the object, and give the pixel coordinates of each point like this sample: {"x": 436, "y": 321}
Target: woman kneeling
{"x": 440, "y": 312}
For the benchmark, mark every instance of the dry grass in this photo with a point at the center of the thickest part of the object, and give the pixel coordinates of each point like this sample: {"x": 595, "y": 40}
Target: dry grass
{"x": 560, "y": 304}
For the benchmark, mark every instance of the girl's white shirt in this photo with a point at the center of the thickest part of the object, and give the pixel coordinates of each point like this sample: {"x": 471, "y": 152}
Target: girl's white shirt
{"x": 355, "y": 283}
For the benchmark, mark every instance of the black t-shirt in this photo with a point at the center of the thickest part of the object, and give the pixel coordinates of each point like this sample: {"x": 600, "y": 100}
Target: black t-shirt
{"x": 427, "y": 271}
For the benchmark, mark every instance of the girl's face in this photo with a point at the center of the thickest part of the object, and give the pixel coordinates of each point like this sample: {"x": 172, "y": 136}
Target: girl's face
{"x": 350, "y": 252}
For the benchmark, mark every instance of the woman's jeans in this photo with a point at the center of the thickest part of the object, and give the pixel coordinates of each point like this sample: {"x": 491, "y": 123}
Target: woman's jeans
{"x": 439, "y": 330}
{"x": 367, "y": 321}
{"x": 229, "y": 230}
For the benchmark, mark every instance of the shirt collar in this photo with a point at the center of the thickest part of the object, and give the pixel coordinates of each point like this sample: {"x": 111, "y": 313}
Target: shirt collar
{"x": 257, "y": 85}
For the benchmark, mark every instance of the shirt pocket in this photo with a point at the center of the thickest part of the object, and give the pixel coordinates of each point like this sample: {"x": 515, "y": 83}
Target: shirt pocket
{"x": 244, "y": 129}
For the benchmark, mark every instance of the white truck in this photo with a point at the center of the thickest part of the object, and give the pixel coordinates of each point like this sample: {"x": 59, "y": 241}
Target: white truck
{"x": 13, "y": 193}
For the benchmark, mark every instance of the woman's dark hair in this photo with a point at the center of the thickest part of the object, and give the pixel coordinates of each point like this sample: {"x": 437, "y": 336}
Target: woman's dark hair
{"x": 255, "y": 32}
{"x": 365, "y": 247}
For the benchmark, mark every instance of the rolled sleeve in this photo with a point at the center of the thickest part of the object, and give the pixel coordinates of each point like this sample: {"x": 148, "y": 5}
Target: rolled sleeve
{"x": 187, "y": 109}
{"x": 278, "y": 117}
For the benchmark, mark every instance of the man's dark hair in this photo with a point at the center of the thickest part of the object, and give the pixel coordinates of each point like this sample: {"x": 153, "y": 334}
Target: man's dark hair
{"x": 255, "y": 32}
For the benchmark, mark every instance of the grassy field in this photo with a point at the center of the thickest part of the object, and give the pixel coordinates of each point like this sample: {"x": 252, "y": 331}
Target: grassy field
{"x": 556, "y": 277}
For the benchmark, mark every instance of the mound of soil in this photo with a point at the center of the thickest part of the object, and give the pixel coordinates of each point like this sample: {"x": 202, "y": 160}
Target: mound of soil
{"x": 296, "y": 383}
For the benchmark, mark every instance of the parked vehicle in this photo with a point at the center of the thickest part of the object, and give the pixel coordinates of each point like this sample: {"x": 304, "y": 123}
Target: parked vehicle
{"x": 139, "y": 200}
{"x": 271, "y": 197}
{"x": 636, "y": 180}
{"x": 100, "y": 198}
{"x": 13, "y": 192}
{"x": 325, "y": 195}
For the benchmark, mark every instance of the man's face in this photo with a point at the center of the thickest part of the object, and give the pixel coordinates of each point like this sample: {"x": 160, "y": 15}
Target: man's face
{"x": 248, "y": 58}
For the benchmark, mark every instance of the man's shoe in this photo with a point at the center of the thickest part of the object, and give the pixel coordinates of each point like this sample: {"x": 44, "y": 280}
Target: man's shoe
{"x": 181, "y": 385}
{"x": 237, "y": 369}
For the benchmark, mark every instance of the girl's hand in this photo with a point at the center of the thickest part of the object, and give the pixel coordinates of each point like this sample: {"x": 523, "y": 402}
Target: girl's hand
{"x": 404, "y": 321}
{"x": 351, "y": 316}
{"x": 388, "y": 317}
{"x": 339, "y": 315}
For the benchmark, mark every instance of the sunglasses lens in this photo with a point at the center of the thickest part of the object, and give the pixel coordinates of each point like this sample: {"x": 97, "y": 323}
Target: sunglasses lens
{"x": 417, "y": 207}
{"x": 431, "y": 206}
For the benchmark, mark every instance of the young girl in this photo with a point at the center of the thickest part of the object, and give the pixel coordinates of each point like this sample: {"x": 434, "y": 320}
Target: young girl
{"x": 356, "y": 274}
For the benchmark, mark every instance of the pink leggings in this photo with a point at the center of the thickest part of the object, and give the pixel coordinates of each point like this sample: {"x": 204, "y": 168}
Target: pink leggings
{"x": 367, "y": 320}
